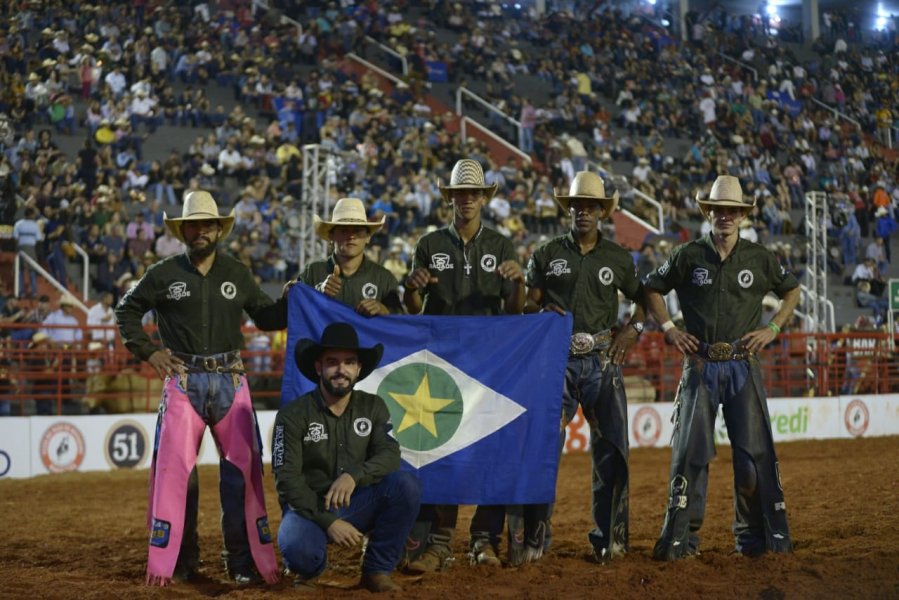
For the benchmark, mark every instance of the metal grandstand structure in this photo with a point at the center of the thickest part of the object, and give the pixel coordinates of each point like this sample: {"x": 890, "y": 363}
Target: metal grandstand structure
{"x": 319, "y": 173}
{"x": 816, "y": 220}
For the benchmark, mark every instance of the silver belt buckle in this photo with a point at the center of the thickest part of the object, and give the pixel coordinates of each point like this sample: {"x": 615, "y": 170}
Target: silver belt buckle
{"x": 581, "y": 343}
{"x": 210, "y": 364}
{"x": 721, "y": 351}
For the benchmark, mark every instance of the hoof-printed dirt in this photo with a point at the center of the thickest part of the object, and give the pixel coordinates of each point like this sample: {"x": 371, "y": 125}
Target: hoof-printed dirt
{"x": 82, "y": 535}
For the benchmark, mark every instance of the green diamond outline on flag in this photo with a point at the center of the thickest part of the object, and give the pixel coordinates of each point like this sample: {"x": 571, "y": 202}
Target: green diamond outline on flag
{"x": 485, "y": 410}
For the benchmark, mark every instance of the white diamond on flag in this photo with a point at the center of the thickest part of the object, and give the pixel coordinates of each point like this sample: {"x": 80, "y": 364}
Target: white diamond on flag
{"x": 436, "y": 408}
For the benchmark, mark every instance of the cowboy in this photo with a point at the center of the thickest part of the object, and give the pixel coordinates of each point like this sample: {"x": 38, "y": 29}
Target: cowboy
{"x": 582, "y": 272}
{"x": 462, "y": 269}
{"x": 336, "y": 466}
{"x": 720, "y": 280}
{"x": 348, "y": 275}
{"x": 199, "y": 298}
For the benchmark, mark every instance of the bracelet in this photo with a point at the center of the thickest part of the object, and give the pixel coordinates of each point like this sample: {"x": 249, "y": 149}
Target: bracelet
{"x": 668, "y": 326}
{"x": 774, "y": 327}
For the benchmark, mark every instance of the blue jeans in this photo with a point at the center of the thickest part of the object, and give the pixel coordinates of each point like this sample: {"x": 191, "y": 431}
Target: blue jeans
{"x": 595, "y": 383}
{"x": 385, "y": 511}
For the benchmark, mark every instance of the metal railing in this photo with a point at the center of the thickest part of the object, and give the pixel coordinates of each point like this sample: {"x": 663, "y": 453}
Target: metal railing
{"x": 85, "y": 377}
{"x": 404, "y": 62}
{"x": 86, "y": 275}
{"x": 624, "y": 187}
{"x": 829, "y": 312}
{"x": 373, "y": 67}
{"x": 465, "y": 122}
{"x": 755, "y": 73}
{"x": 463, "y": 93}
{"x": 888, "y": 135}
{"x": 33, "y": 264}
{"x": 837, "y": 114}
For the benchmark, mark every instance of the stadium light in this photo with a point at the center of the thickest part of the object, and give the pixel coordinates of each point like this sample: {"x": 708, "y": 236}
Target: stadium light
{"x": 881, "y": 23}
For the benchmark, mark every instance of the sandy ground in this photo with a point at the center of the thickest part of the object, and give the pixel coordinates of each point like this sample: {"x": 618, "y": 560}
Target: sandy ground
{"x": 82, "y": 535}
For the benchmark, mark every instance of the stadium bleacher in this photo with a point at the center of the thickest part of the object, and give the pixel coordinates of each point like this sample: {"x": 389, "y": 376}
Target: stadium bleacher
{"x": 113, "y": 113}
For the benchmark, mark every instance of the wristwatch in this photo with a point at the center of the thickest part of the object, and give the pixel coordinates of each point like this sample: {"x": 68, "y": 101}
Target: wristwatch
{"x": 638, "y": 326}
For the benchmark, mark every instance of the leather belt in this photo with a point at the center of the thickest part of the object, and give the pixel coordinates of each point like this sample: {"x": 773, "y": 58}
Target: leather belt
{"x": 225, "y": 362}
{"x": 721, "y": 351}
{"x": 585, "y": 343}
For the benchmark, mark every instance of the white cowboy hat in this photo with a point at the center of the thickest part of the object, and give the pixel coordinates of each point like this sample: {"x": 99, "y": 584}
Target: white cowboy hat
{"x": 198, "y": 206}
{"x": 726, "y": 191}
{"x": 467, "y": 175}
{"x": 588, "y": 186}
{"x": 347, "y": 211}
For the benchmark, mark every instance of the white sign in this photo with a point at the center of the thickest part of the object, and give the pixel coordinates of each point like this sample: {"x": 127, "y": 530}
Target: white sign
{"x": 31, "y": 446}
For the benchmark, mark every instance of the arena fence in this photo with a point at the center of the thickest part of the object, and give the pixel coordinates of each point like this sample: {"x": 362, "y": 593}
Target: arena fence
{"x": 99, "y": 375}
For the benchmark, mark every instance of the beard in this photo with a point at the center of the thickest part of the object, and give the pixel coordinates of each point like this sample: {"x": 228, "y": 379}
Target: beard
{"x": 338, "y": 391}
{"x": 200, "y": 252}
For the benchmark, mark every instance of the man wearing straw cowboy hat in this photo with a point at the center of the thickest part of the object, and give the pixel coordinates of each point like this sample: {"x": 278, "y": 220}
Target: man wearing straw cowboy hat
{"x": 336, "y": 465}
{"x": 199, "y": 298}
{"x": 462, "y": 269}
{"x": 348, "y": 275}
{"x": 581, "y": 272}
{"x": 720, "y": 281}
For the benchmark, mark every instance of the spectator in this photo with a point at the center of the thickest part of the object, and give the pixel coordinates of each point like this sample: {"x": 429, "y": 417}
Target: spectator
{"x": 101, "y": 316}
{"x": 62, "y": 326}
{"x": 27, "y": 233}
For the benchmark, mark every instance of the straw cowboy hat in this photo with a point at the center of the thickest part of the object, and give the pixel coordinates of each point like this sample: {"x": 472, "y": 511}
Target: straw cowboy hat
{"x": 338, "y": 336}
{"x": 198, "y": 206}
{"x": 38, "y": 338}
{"x": 67, "y": 301}
{"x": 467, "y": 175}
{"x": 726, "y": 191}
{"x": 588, "y": 186}
{"x": 347, "y": 211}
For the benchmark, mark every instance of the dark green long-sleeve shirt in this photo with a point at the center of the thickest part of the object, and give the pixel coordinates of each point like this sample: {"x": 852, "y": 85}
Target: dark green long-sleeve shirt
{"x": 196, "y": 314}
{"x": 585, "y": 284}
{"x": 311, "y": 447}
{"x": 467, "y": 282}
{"x": 371, "y": 281}
{"x": 721, "y": 300}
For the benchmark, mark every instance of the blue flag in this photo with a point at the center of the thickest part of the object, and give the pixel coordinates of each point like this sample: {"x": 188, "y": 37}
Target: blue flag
{"x": 475, "y": 402}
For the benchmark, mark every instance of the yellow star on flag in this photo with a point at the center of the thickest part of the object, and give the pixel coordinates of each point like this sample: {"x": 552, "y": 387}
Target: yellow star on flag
{"x": 420, "y": 407}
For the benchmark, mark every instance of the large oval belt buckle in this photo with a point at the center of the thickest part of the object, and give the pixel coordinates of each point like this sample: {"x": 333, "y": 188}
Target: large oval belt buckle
{"x": 581, "y": 343}
{"x": 721, "y": 351}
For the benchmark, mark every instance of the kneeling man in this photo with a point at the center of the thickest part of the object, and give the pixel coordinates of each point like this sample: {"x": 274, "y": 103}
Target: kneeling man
{"x": 336, "y": 465}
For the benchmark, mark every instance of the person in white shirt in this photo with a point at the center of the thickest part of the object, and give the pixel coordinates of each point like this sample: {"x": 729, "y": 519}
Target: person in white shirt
{"x": 64, "y": 336}
{"x": 642, "y": 170}
{"x": 160, "y": 59}
{"x": 116, "y": 82}
{"x": 168, "y": 245}
{"x": 230, "y": 160}
{"x": 143, "y": 110}
{"x": 102, "y": 315}
{"x": 27, "y": 232}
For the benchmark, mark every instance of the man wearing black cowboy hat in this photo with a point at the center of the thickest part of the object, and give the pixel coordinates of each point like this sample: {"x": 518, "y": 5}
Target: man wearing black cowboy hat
{"x": 720, "y": 281}
{"x": 582, "y": 272}
{"x": 336, "y": 465}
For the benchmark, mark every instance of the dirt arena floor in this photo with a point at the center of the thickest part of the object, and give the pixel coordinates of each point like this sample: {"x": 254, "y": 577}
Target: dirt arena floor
{"x": 82, "y": 535}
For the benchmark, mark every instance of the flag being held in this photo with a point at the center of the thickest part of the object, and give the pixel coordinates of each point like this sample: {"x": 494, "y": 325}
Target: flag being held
{"x": 475, "y": 401}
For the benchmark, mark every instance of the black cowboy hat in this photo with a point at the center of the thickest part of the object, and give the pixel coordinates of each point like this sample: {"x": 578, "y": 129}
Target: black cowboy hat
{"x": 335, "y": 335}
